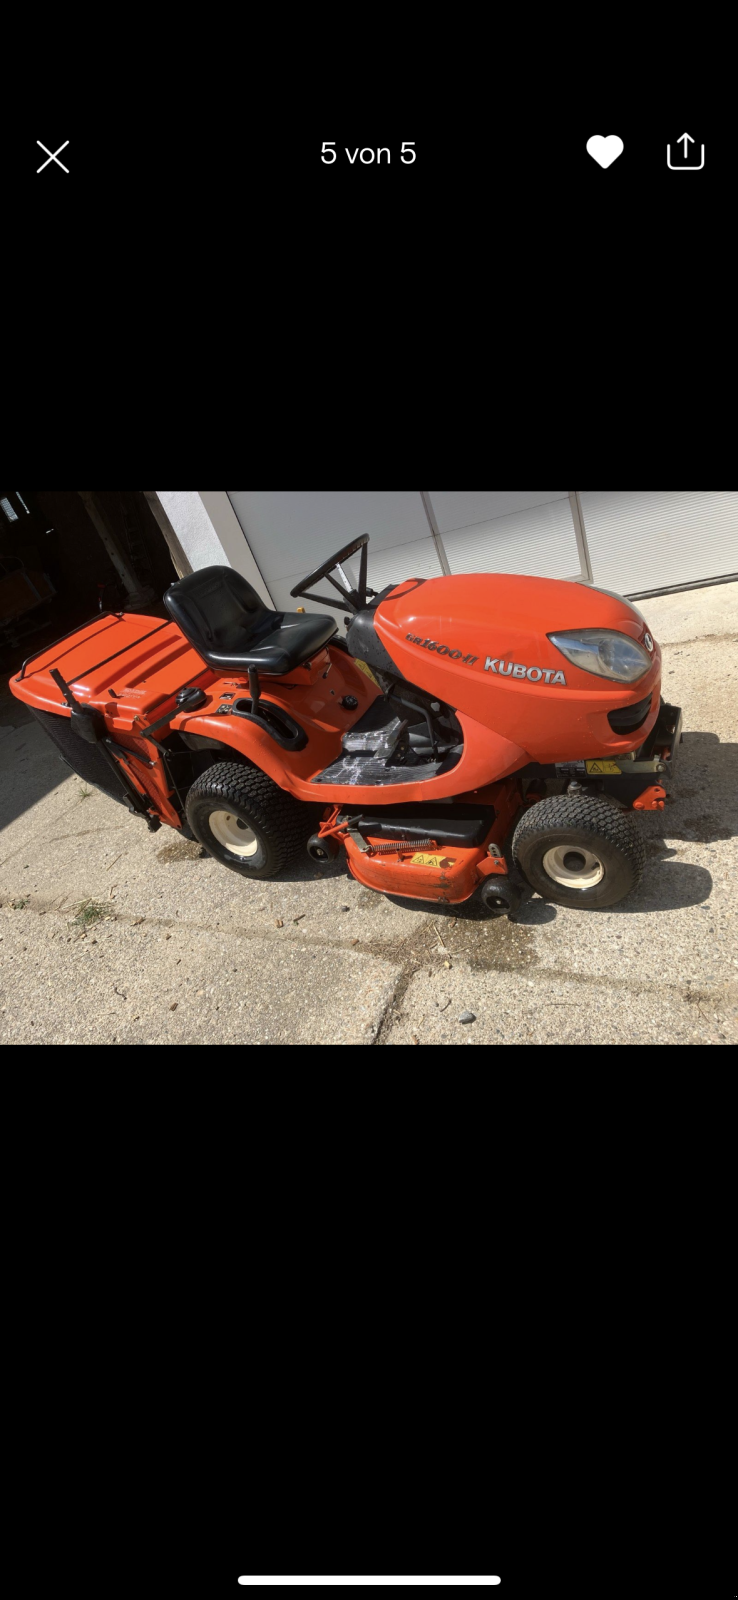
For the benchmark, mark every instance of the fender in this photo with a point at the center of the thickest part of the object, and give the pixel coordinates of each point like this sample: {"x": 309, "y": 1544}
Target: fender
{"x": 486, "y": 758}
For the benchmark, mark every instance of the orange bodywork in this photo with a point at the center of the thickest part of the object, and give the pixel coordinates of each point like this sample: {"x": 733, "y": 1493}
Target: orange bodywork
{"x": 506, "y": 618}
{"x": 507, "y": 720}
{"x": 445, "y": 873}
{"x": 652, "y": 799}
{"x": 131, "y": 667}
{"x": 477, "y": 642}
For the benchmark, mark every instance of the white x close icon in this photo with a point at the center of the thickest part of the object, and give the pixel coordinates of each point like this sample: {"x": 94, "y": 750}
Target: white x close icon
{"x": 53, "y": 157}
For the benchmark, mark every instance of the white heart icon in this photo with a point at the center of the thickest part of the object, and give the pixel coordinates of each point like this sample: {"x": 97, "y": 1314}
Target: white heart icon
{"x": 605, "y": 150}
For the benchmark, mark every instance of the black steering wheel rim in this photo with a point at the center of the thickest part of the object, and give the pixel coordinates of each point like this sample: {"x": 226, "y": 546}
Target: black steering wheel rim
{"x": 322, "y": 572}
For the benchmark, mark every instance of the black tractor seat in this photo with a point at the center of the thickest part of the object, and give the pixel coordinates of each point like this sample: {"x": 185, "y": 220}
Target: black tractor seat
{"x": 228, "y": 625}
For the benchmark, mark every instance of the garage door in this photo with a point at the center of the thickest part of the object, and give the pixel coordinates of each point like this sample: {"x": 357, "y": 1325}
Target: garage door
{"x": 659, "y": 539}
{"x": 412, "y": 533}
{"x": 529, "y": 531}
{"x": 292, "y": 532}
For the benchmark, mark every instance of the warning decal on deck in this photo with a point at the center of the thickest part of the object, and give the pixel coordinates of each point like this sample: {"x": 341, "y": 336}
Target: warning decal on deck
{"x": 602, "y": 767}
{"x": 431, "y": 861}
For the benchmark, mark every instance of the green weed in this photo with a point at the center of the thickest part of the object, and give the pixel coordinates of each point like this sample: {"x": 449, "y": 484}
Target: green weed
{"x": 88, "y": 912}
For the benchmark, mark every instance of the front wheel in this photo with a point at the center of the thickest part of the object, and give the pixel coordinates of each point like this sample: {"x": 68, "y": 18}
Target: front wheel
{"x": 579, "y": 850}
{"x": 245, "y": 820}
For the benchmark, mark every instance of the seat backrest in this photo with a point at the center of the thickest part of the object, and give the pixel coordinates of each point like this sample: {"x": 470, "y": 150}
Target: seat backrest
{"x": 216, "y": 608}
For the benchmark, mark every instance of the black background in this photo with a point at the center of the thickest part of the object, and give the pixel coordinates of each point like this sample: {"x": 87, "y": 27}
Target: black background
{"x": 197, "y": 214}
{"x": 522, "y": 164}
{"x": 198, "y": 219}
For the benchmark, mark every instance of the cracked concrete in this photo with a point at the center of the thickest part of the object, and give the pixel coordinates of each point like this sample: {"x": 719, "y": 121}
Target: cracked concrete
{"x": 184, "y": 951}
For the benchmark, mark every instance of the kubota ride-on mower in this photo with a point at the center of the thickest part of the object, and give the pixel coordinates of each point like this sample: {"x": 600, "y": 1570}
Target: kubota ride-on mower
{"x": 457, "y": 714}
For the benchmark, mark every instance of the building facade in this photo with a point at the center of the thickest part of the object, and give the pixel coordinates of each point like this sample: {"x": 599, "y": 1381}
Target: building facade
{"x": 637, "y": 542}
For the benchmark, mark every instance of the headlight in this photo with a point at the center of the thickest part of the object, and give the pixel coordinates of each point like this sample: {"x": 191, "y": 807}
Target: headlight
{"x": 600, "y": 650}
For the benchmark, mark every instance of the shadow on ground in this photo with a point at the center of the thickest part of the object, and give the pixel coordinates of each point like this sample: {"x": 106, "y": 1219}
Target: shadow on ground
{"x": 30, "y": 767}
{"x": 702, "y": 793}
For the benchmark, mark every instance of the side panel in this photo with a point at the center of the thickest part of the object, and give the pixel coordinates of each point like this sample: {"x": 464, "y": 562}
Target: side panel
{"x": 486, "y": 757}
{"x": 131, "y": 667}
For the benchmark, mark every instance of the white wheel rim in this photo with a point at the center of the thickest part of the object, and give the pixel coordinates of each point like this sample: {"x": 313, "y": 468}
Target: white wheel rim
{"x": 236, "y": 835}
{"x": 582, "y": 873}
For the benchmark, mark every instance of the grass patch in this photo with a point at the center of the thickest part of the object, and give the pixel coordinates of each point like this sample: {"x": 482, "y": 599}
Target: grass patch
{"x": 20, "y": 905}
{"x": 85, "y": 793}
{"x": 88, "y": 912}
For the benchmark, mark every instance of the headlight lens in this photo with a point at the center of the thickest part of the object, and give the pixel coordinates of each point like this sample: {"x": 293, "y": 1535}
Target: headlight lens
{"x": 600, "y": 650}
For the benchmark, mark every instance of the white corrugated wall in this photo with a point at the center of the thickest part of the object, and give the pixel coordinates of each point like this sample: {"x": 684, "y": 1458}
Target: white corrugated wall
{"x": 638, "y": 541}
{"x": 507, "y": 531}
{"x": 659, "y": 538}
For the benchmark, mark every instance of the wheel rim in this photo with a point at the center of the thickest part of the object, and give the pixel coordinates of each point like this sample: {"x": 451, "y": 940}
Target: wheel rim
{"x": 573, "y": 867}
{"x": 233, "y": 833}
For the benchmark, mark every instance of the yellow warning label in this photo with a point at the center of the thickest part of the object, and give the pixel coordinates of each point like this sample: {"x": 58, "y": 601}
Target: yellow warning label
{"x": 431, "y": 861}
{"x": 602, "y": 767}
{"x": 367, "y": 671}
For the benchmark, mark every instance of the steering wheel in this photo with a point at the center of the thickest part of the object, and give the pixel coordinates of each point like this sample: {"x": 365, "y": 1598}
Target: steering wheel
{"x": 356, "y": 598}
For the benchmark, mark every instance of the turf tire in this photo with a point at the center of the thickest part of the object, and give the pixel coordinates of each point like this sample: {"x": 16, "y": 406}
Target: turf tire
{"x": 599, "y": 827}
{"x": 279, "y": 821}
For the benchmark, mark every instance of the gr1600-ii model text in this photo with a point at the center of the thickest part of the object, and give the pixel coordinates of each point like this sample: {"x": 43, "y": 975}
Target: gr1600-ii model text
{"x": 468, "y": 734}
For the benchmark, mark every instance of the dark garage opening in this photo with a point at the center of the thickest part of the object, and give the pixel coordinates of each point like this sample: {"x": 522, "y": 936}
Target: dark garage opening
{"x": 64, "y": 555}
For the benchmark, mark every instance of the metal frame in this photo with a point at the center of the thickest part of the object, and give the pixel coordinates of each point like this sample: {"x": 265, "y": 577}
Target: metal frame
{"x": 437, "y": 539}
{"x": 681, "y": 588}
{"x": 180, "y": 561}
{"x": 53, "y": 645}
{"x": 580, "y": 536}
{"x": 640, "y": 594}
{"x": 585, "y": 573}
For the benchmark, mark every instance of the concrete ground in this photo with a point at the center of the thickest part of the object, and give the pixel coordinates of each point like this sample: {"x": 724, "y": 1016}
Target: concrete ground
{"x": 173, "y": 948}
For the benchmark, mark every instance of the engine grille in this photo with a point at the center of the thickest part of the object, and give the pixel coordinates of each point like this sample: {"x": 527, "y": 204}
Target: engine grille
{"x": 628, "y": 718}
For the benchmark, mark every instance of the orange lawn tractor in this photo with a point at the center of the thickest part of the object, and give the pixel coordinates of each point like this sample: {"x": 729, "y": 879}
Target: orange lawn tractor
{"x": 470, "y": 735}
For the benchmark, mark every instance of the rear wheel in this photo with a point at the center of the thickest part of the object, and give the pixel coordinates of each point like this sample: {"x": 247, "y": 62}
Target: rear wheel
{"x": 579, "y": 850}
{"x": 245, "y": 820}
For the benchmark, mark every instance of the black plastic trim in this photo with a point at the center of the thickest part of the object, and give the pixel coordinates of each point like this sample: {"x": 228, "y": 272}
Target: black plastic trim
{"x": 294, "y": 738}
{"x": 465, "y": 826}
{"x": 666, "y": 730}
{"x": 136, "y": 754}
{"x": 146, "y": 733}
{"x": 628, "y": 719}
{"x": 365, "y": 644}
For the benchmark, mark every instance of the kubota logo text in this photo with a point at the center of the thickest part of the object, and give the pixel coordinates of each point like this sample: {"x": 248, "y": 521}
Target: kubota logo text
{"x": 509, "y": 669}
{"x": 515, "y": 669}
